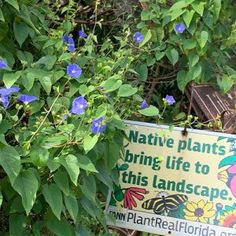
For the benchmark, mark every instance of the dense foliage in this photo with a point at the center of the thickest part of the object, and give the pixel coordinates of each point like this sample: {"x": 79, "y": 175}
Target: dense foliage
{"x": 69, "y": 74}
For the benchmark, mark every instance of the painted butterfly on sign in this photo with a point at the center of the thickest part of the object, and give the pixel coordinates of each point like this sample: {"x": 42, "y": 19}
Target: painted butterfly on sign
{"x": 164, "y": 203}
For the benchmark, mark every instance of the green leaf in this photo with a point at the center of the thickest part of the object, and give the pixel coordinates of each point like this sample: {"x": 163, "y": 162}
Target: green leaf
{"x": 1, "y": 16}
{"x": 90, "y": 142}
{"x": 147, "y": 37}
{"x": 182, "y": 80}
{"x": 113, "y": 83}
{"x": 180, "y": 4}
{"x": 48, "y": 61}
{"x": 26, "y": 184}
{"x": 59, "y": 227}
{"x": 13, "y": 3}
{"x": 53, "y": 197}
{"x": 62, "y": 182}
{"x": 46, "y": 83}
{"x": 28, "y": 81}
{"x": 225, "y": 83}
{"x": 188, "y": 16}
{"x": 21, "y": 32}
{"x": 159, "y": 55}
{"x": 189, "y": 44}
{"x": 65, "y": 56}
{"x": 86, "y": 164}
{"x": 195, "y": 72}
{"x": 172, "y": 55}
{"x": 10, "y": 161}
{"x": 72, "y": 206}
{"x": 89, "y": 187}
{"x": 193, "y": 59}
{"x": 142, "y": 71}
{"x": 176, "y": 13}
{"x": 203, "y": 39}
{"x": 199, "y": 7}
{"x": 71, "y": 164}
{"x": 149, "y": 111}
{"x": 1, "y": 199}
{"x": 17, "y": 224}
{"x": 126, "y": 90}
{"x": 216, "y": 8}
{"x": 10, "y": 78}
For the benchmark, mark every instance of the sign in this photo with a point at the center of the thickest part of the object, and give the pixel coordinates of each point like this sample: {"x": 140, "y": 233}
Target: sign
{"x": 175, "y": 183}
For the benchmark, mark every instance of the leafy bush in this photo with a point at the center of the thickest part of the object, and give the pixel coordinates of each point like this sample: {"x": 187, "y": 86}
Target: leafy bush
{"x": 65, "y": 91}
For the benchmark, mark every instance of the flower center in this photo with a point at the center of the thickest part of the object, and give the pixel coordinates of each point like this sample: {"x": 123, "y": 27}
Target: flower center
{"x": 81, "y": 106}
{"x": 199, "y": 212}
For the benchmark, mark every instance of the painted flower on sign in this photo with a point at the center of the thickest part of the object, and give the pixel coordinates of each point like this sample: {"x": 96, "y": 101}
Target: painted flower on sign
{"x": 201, "y": 211}
{"x": 228, "y": 216}
{"x": 130, "y": 196}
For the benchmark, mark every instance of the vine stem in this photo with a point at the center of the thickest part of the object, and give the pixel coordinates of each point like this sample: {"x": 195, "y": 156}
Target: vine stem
{"x": 41, "y": 124}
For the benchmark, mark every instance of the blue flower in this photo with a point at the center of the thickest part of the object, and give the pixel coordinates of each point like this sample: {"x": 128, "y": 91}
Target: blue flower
{"x": 144, "y": 104}
{"x": 78, "y": 105}
{"x": 169, "y": 99}
{"x": 82, "y": 34}
{"x": 97, "y": 126}
{"x": 138, "y": 37}
{"x": 5, "y": 92}
{"x": 3, "y": 64}
{"x": 27, "y": 98}
{"x": 65, "y": 38}
{"x": 180, "y": 28}
{"x": 70, "y": 44}
{"x": 74, "y": 71}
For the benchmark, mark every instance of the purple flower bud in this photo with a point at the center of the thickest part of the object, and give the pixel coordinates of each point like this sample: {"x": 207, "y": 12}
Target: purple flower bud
{"x": 5, "y": 92}
{"x": 65, "y": 38}
{"x": 169, "y": 99}
{"x": 70, "y": 44}
{"x": 144, "y": 104}
{"x": 180, "y": 28}
{"x": 82, "y": 34}
{"x": 97, "y": 126}
{"x": 3, "y": 64}
{"x": 138, "y": 37}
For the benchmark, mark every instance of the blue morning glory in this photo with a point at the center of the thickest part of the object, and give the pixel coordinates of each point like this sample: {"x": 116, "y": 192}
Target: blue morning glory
{"x": 5, "y": 92}
{"x": 144, "y": 104}
{"x": 70, "y": 44}
{"x": 180, "y": 28}
{"x": 3, "y": 64}
{"x": 97, "y": 126}
{"x": 138, "y": 37}
{"x": 27, "y": 98}
{"x": 78, "y": 105}
{"x": 82, "y": 34}
{"x": 74, "y": 71}
{"x": 169, "y": 99}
